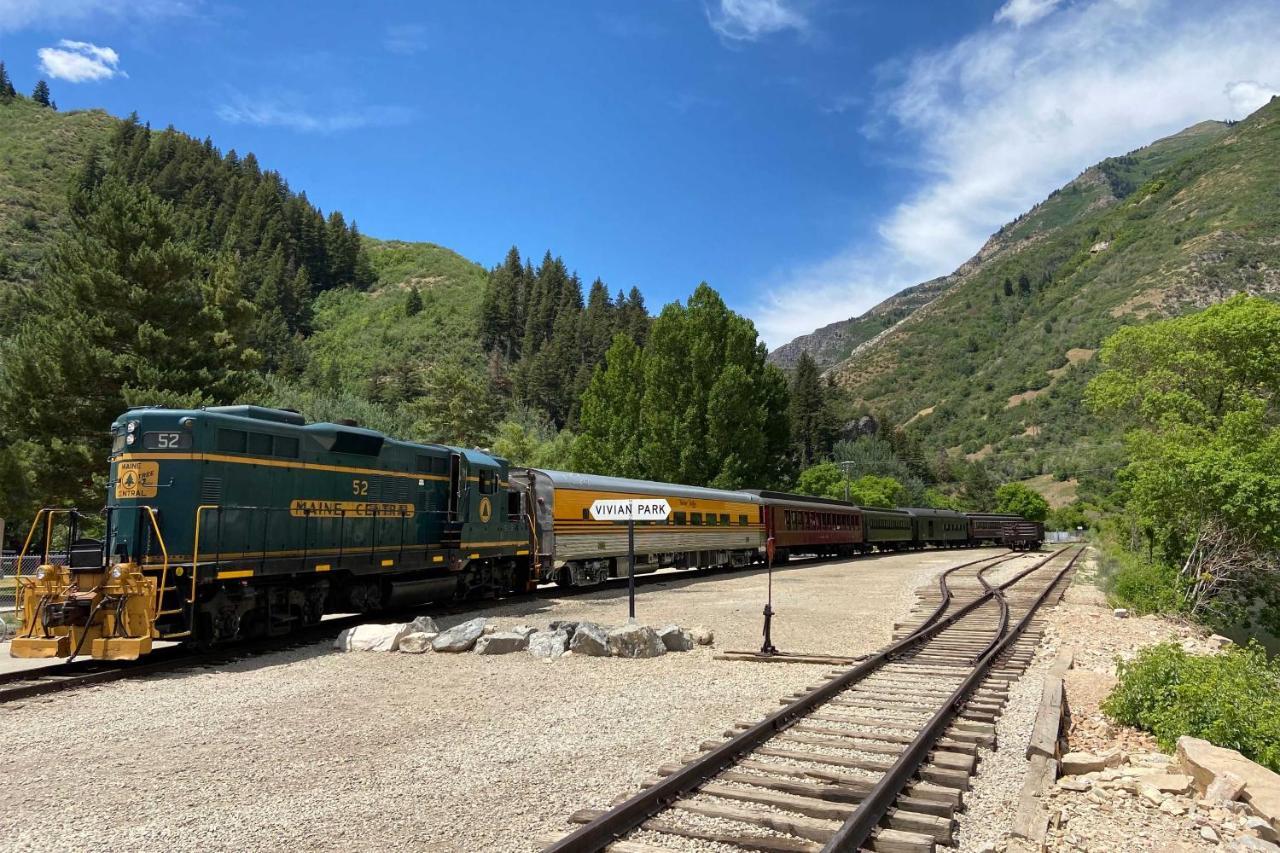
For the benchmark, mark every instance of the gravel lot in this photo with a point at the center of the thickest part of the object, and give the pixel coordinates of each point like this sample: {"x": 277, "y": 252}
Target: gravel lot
{"x": 312, "y": 749}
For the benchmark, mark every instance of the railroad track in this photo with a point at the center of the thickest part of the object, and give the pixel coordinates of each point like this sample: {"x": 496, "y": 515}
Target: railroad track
{"x": 26, "y": 684}
{"x": 876, "y": 757}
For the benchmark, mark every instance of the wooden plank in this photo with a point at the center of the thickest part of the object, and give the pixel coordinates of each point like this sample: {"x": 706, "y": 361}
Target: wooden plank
{"x": 1048, "y": 722}
{"x": 1031, "y": 817}
{"x": 896, "y": 841}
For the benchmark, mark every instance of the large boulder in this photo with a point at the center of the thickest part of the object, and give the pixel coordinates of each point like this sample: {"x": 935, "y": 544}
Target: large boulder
{"x": 702, "y": 635}
{"x": 501, "y": 643}
{"x": 416, "y": 642}
{"x": 460, "y": 638}
{"x": 524, "y": 630}
{"x": 548, "y": 644}
{"x": 372, "y": 638}
{"x": 425, "y": 625}
{"x": 590, "y": 639}
{"x": 1206, "y": 763}
{"x": 675, "y": 638}
{"x": 635, "y": 641}
{"x": 564, "y": 626}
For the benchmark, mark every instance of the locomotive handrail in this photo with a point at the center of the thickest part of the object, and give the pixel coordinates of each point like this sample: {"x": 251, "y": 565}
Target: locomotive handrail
{"x": 48, "y": 514}
{"x": 195, "y": 550}
{"x": 164, "y": 551}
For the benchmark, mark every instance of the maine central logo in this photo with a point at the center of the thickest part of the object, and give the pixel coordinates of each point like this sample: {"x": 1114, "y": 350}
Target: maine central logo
{"x": 486, "y": 509}
{"x": 137, "y": 480}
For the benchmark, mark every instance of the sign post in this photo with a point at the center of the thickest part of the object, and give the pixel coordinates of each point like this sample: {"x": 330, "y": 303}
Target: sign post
{"x": 630, "y": 510}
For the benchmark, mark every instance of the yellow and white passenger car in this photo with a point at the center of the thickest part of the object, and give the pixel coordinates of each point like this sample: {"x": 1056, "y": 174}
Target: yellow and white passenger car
{"x": 707, "y": 527}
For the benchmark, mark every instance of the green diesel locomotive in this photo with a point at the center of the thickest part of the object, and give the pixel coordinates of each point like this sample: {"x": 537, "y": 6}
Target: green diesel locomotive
{"x": 241, "y": 521}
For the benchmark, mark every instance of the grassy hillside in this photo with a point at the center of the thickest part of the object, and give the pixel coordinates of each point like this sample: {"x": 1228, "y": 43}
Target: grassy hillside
{"x": 369, "y": 345}
{"x": 993, "y": 368}
{"x": 40, "y": 150}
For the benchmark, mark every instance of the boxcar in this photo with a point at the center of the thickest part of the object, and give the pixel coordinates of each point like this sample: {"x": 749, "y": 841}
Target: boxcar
{"x": 887, "y": 529}
{"x": 987, "y": 528}
{"x": 941, "y": 527}
{"x": 800, "y": 524}
{"x": 1023, "y": 535}
{"x": 707, "y": 527}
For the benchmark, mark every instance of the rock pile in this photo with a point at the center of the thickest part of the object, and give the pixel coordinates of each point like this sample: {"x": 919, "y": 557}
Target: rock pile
{"x": 1213, "y": 794}
{"x": 559, "y": 639}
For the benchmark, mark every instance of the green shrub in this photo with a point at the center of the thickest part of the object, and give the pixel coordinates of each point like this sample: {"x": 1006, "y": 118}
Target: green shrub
{"x": 1143, "y": 586}
{"x": 1230, "y": 699}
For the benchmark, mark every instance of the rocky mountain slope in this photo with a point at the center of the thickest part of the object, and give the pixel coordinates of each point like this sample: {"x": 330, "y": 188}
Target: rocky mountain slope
{"x": 992, "y": 365}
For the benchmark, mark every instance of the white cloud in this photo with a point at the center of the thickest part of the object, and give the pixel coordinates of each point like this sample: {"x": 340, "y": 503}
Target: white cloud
{"x": 79, "y": 61}
{"x": 1023, "y": 12}
{"x": 1249, "y": 95}
{"x": 752, "y": 20}
{"x": 406, "y": 39}
{"x": 22, "y": 14}
{"x": 290, "y": 114}
{"x": 995, "y": 122}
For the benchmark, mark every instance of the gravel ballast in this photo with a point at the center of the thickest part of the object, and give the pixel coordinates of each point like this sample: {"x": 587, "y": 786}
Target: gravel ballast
{"x": 323, "y": 750}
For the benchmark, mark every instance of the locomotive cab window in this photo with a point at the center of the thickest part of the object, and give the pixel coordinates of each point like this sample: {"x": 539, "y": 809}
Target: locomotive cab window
{"x": 488, "y": 482}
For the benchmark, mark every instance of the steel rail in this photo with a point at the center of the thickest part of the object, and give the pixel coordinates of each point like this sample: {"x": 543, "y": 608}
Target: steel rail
{"x": 628, "y": 815}
{"x": 857, "y": 830}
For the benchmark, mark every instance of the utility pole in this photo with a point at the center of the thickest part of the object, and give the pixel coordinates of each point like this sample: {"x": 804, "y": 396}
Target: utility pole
{"x": 844, "y": 469}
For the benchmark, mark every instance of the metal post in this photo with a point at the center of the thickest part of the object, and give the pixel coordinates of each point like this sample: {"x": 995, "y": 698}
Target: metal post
{"x": 767, "y": 648}
{"x": 631, "y": 572}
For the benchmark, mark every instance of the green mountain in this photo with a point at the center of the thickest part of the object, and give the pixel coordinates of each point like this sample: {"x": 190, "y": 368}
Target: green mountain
{"x": 990, "y": 361}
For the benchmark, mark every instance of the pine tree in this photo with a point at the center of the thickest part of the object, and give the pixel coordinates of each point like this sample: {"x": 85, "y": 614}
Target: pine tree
{"x": 1024, "y": 284}
{"x": 812, "y": 423}
{"x": 40, "y": 94}
{"x": 7, "y": 92}
{"x": 598, "y": 323}
{"x": 127, "y": 314}
{"x": 413, "y": 305}
{"x": 1008, "y": 286}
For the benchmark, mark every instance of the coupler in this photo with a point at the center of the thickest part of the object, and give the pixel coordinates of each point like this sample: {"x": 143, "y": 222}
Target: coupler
{"x": 108, "y": 613}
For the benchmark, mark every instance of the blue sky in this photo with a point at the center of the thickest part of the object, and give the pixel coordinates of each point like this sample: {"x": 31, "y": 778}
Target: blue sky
{"x": 806, "y": 157}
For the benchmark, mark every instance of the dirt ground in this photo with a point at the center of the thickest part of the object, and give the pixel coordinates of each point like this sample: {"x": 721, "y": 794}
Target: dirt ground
{"x": 318, "y": 750}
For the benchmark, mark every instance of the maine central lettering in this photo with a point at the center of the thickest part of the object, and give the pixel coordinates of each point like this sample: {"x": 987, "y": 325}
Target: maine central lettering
{"x": 348, "y": 509}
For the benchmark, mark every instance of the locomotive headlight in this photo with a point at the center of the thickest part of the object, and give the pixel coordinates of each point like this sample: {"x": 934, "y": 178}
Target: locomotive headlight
{"x": 130, "y": 438}
{"x": 133, "y": 426}
{"x": 187, "y": 423}
{"x": 115, "y": 573}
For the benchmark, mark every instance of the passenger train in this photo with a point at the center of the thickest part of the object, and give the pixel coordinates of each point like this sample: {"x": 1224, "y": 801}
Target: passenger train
{"x": 236, "y": 522}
